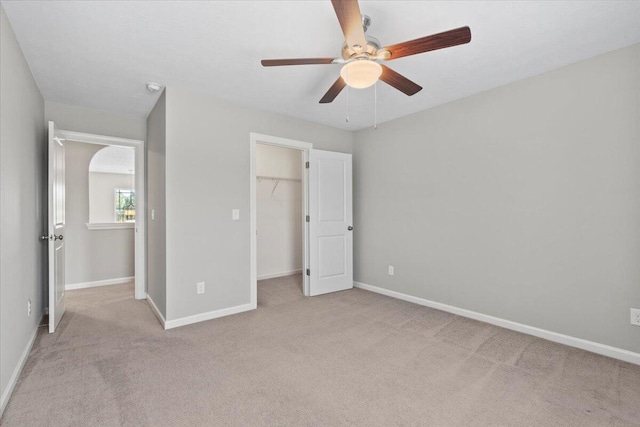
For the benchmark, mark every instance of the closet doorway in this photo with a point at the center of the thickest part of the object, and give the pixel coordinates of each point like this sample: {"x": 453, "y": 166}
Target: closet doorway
{"x": 279, "y": 227}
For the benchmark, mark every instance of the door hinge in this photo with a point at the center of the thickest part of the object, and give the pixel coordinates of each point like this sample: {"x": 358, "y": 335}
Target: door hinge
{"x": 307, "y": 165}
{"x": 308, "y": 218}
{"x": 308, "y": 272}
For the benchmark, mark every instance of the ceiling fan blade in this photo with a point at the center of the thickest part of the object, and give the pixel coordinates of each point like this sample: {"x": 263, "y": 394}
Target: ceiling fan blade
{"x": 434, "y": 42}
{"x": 333, "y": 91}
{"x": 399, "y": 81}
{"x": 350, "y": 19}
{"x": 298, "y": 61}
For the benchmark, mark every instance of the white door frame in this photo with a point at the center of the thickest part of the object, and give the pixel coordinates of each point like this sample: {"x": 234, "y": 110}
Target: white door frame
{"x": 254, "y": 139}
{"x": 140, "y": 226}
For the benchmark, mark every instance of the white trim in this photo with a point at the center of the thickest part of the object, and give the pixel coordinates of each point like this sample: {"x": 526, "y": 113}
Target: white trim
{"x": 594, "y": 347}
{"x": 281, "y": 142}
{"x": 183, "y": 321}
{"x": 156, "y": 311}
{"x": 140, "y": 246}
{"x": 83, "y": 285}
{"x": 91, "y": 138}
{"x": 254, "y": 139}
{"x": 110, "y": 225}
{"x": 6, "y": 393}
{"x": 140, "y": 180}
{"x": 275, "y": 275}
{"x": 253, "y": 228}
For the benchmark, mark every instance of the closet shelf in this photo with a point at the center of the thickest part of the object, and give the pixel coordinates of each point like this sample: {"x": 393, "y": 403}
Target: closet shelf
{"x": 275, "y": 178}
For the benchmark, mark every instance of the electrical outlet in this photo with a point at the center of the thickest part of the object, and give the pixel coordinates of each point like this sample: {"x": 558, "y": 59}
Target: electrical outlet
{"x": 200, "y": 287}
{"x": 635, "y": 316}
{"x": 235, "y": 214}
{"x": 29, "y": 307}
{"x": 391, "y": 273}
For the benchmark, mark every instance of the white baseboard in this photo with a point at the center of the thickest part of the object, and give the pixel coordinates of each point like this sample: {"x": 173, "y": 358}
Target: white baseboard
{"x": 594, "y": 347}
{"x": 170, "y": 324}
{"x": 156, "y": 311}
{"x": 6, "y": 393}
{"x": 118, "y": 281}
{"x": 273, "y": 276}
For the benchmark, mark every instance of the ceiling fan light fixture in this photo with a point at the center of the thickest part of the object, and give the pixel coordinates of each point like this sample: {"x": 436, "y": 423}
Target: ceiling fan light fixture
{"x": 361, "y": 74}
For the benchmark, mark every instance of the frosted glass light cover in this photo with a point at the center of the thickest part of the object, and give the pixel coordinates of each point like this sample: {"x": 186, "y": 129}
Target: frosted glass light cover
{"x": 361, "y": 74}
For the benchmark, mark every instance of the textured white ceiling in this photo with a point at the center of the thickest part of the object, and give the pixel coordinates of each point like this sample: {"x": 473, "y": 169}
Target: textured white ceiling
{"x": 113, "y": 159}
{"x": 101, "y": 53}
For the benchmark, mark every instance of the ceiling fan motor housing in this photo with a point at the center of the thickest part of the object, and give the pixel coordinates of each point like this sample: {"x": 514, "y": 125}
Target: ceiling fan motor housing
{"x": 370, "y": 50}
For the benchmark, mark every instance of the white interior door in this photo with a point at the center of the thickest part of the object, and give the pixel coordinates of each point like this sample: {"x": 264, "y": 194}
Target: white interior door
{"x": 56, "y": 227}
{"x": 330, "y": 223}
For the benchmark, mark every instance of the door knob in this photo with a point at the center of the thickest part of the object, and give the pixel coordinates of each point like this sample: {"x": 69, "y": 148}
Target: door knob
{"x": 349, "y": 228}
{"x": 44, "y": 238}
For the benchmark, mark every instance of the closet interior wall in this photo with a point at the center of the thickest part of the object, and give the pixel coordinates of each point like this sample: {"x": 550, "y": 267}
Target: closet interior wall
{"x": 279, "y": 211}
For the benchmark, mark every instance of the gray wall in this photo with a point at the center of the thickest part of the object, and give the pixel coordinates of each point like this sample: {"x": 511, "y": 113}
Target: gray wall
{"x": 207, "y": 175}
{"x": 102, "y": 189}
{"x": 91, "y": 255}
{"x": 90, "y": 120}
{"x": 156, "y": 189}
{"x": 522, "y": 202}
{"x": 22, "y": 196}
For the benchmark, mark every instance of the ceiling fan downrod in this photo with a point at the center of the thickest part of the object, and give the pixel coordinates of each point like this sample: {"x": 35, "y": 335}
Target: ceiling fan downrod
{"x": 366, "y": 22}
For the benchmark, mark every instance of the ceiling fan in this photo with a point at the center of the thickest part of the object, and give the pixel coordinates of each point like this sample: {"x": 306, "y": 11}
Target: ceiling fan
{"x": 361, "y": 54}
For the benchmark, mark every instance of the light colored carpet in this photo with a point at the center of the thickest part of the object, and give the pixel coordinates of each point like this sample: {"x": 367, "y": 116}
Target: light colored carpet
{"x": 348, "y": 358}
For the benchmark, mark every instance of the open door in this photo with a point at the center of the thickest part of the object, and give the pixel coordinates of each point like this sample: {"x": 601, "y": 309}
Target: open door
{"x": 330, "y": 222}
{"x": 56, "y": 227}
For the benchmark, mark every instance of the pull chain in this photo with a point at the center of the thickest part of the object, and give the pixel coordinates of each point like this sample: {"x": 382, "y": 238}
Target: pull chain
{"x": 347, "y": 119}
{"x": 375, "y": 106}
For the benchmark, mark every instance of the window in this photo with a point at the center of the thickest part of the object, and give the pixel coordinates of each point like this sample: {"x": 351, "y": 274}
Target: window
{"x": 125, "y": 205}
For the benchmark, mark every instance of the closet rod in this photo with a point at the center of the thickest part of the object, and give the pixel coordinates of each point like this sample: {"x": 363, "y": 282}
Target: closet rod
{"x": 275, "y": 178}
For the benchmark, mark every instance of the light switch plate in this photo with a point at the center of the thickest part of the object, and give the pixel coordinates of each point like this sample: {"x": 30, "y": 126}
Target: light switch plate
{"x": 235, "y": 214}
{"x": 153, "y": 214}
